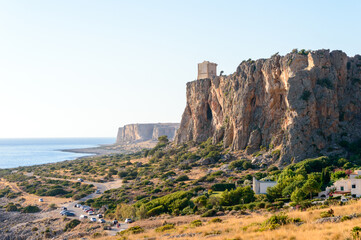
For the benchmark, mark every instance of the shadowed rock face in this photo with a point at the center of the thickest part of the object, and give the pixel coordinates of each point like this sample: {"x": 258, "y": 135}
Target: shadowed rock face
{"x": 144, "y": 132}
{"x": 305, "y": 104}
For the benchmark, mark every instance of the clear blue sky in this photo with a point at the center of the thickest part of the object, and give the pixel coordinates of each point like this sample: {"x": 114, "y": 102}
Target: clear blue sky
{"x": 82, "y": 68}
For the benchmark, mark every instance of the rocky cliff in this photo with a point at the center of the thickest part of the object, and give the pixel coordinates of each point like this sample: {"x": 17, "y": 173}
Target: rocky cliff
{"x": 144, "y": 132}
{"x": 303, "y": 104}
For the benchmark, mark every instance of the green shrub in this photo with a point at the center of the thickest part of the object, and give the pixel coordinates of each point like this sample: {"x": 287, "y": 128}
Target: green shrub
{"x": 132, "y": 230}
{"x": 275, "y": 222}
{"x": 11, "y": 207}
{"x": 223, "y": 186}
{"x": 31, "y": 209}
{"x": 345, "y": 218}
{"x": 209, "y": 213}
{"x": 215, "y": 220}
{"x": 72, "y": 224}
{"x": 326, "y": 214}
{"x": 182, "y": 178}
{"x": 196, "y": 223}
{"x": 165, "y": 227}
{"x": 156, "y": 211}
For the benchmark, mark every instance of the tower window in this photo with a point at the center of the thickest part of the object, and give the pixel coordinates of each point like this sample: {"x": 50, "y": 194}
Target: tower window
{"x": 353, "y": 185}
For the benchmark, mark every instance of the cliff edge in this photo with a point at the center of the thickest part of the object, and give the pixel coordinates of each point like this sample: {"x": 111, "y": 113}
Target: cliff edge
{"x": 303, "y": 104}
{"x": 144, "y": 132}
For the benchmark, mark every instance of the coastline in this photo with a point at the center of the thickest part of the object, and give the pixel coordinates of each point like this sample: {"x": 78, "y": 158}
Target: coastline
{"x": 116, "y": 148}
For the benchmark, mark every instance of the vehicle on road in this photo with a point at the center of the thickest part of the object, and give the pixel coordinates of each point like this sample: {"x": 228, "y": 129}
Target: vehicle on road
{"x": 128, "y": 220}
{"x": 101, "y": 220}
{"x": 83, "y": 216}
{"x": 93, "y": 219}
{"x": 69, "y": 214}
{"x": 100, "y": 216}
{"x": 41, "y": 200}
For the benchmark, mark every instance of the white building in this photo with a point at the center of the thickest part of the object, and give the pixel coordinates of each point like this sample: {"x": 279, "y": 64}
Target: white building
{"x": 352, "y": 186}
{"x": 260, "y": 187}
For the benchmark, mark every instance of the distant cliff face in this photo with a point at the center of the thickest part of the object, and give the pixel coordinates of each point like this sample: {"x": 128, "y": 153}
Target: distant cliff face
{"x": 303, "y": 104}
{"x": 144, "y": 132}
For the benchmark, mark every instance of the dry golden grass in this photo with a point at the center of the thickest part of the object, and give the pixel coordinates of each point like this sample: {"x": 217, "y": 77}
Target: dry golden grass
{"x": 232, "y": 227}
{"x": 31, "y": 199}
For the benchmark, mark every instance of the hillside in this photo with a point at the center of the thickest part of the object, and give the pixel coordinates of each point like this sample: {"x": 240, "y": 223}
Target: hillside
{"x": 304, "y": 104}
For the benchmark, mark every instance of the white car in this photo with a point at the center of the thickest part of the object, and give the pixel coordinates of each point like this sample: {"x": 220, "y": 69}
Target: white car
{"x": 90, "y": 213}
{"x": 100, "y": 216}
{"x": 93, "y": 219}
{"x": 101, "y": 220}
{"x": 83, "y": 216}
{"x": 41, "y": 200}
{"x": 128, "y": 220}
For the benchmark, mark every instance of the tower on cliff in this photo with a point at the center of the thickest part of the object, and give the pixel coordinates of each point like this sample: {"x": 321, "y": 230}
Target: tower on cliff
{"x": 207, "y": 69}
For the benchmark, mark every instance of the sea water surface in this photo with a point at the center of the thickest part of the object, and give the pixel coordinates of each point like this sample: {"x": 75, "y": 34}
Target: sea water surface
{"x": 34, "y": 151}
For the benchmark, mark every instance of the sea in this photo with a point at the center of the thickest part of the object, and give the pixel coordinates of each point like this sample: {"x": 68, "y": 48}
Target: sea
{"x": 34, "y": 151}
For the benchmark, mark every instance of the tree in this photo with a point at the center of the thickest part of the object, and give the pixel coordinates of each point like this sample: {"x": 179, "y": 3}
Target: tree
{"x": 163, "y": 139}
{"x": 325, "y": 177}
{"x": 311, "y": 186}
{"x": 124, "y": 211}
{"x": 297, "y": 195}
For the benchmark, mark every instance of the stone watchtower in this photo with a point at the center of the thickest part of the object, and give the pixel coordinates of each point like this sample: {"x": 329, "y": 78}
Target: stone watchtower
{"x": 207, "y": 69}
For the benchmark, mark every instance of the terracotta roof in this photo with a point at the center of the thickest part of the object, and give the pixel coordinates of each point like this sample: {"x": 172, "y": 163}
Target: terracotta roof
{"x": 341, "y": 192}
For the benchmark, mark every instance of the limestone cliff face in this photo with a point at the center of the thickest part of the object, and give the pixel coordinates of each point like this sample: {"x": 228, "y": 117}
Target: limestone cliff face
{"x": 144, "y": 132}
{"x": 303, "y": 104}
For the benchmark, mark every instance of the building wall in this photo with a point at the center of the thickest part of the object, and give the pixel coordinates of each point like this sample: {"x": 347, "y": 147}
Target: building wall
{"x": 207, "y": 69}
{"x": 357, "y": 190}
{"x": 260, "y": 187}
{"x": 345, "y": 183}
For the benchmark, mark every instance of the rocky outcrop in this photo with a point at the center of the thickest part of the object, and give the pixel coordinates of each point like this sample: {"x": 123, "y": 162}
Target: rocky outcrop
{"x": 303, "y": 104}
{"x": 144, "y": 132}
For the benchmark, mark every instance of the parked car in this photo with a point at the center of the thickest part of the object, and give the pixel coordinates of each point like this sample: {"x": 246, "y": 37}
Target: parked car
{"x": 64, "y": 208}
{"x": 69, "y": 214}
{"x": 93, "y": 219}
{"x": 344, "y": 200}
{"x": 84, "y": 206}
{"x": 97, "y": 191}
{"x": 80, "y": 180}
{"x": 91, "y": 213}
{"x": 83, "y": 216}
{"x": 41, "y": 200}
{"x": 101, "y": 220}
{"x": 115, "y": 221}
{"x": 77, "y": 205}
{"x": 128, "y": 220}
{"x": 89, "y": 210}
{"x": 62, "y": 212}
{"x": 107, "y": 228}
{"x": 100, "y": 216}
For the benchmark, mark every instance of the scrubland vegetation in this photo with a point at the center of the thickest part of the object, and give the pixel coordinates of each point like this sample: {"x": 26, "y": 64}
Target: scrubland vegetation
{"x": 202, "y": 180}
